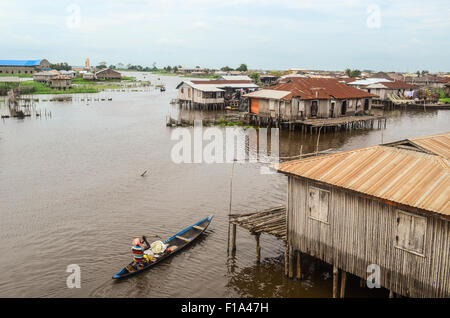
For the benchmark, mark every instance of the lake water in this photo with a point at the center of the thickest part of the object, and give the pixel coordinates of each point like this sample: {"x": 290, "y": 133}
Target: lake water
{"x": 71, "y": 193}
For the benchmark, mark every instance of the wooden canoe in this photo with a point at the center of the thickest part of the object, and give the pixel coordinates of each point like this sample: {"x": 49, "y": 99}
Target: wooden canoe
{"x": 174, "y": 244}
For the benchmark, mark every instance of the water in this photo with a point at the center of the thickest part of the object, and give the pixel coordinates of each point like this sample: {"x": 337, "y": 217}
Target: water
{"x": 71, "y": 193}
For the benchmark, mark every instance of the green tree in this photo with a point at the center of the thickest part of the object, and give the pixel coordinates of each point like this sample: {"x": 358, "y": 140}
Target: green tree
{"x": 242, "y": 68}
{"x": 226, "y": 69}
{"x": 352, "y": 73}
{"x": 255, "y": 77}
{"x": 61, "y": 66}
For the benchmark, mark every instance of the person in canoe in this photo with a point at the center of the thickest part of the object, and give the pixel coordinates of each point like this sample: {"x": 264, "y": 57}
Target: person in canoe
{"x": 138, "y": 248}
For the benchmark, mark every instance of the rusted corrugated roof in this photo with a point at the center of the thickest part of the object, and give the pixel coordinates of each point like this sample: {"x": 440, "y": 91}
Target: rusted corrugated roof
{"x": 409, "y": 178}
{"x": 319, "y": 88}
{"x": 222, "y": 82}
{"x": 438, "y": 144}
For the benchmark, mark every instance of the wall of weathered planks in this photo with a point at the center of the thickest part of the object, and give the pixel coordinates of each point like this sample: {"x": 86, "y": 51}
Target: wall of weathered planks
{"x": 360, "y": 231}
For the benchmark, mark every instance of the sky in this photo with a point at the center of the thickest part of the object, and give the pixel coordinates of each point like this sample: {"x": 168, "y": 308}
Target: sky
{"x": 402, "y": 35}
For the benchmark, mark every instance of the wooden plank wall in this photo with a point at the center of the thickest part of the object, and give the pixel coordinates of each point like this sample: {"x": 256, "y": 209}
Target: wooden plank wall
{"x": 361, "y": 232}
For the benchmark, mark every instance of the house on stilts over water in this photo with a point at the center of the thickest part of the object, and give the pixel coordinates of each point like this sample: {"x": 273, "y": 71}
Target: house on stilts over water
{"x": 212, "y": 95}
{"x": 384, "y": 207}
{"x": 302, "y": 102}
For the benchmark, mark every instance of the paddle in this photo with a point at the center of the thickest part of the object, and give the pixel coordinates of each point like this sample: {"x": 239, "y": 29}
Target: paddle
{"x": 144, "y": 238}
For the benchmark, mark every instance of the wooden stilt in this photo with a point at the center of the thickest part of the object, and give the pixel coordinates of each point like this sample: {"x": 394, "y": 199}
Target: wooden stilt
{"x": 233, "y": 244}
{"x": 258, "y": 249}
{"x": 343, "y": 283}
{"x": 391, "y": 294}
{"x": 286, "y": 259}
{"x": 291, "y": 262}
{"x": 299, "y": 268}
{"x": 335, "y": 281}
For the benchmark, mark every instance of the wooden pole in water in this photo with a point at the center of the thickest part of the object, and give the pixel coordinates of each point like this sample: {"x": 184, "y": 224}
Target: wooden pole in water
{"x": 286, "y": 259}
{"x": 258, "y": 249}
{"x": 335, "y": 281}
{"x": 299, "y": 268}
{"x": 233, "y": 245}
{"x": 229, "y": 210}
{"x": 291, "y": 262}
{"x": 343, "y": 283}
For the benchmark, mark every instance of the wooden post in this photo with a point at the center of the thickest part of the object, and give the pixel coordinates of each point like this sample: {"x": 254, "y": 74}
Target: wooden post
{"x": 299, "y": 268}
{"x": 335, "y": 281}
{"x": 233, "y": 245}
{"x": 391, "y": 294}
{"x": 291, "y": 262}
{"x": 258, "y": 249}
{"x": 343, "y": 283}
{"x": 286, "y": 259}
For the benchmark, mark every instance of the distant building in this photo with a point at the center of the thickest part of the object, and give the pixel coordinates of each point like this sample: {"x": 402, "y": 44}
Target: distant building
{"x": 60, "y": 82}
{"x": 268, "y": 80}
{"x": 190, "y": 70}
{"x": 428, "y": 80}
{"x": 71, "y": 73}
{"x": 23, "y": 66}
{"x": 234, "y": 78}
{"x": 44, "y": 77}
{"x": 302, "y": 98}
{"x": 88, "y": 76}
{"x": 205, "y": 93}
{"x": 87, "y": 64}
{"x": 385, "y": 88}
{"x": 108, "y": 74}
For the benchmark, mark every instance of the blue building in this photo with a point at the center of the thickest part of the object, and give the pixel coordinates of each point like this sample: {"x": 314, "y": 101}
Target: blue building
{"x": 23, "y": 66}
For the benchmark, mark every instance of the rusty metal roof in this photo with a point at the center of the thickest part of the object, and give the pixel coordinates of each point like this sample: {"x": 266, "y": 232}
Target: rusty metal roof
{"x": 319, "y": 88}
{"x": 394, "y": 175}
{"x": 438, "y": 144}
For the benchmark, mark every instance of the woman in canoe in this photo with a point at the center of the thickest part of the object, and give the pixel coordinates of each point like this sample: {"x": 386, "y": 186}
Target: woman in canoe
{"x": 138, "y": 248}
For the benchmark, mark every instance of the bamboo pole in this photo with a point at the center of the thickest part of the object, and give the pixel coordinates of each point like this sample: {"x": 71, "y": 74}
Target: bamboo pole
{"x": 229, "y": 210}
{"x": 233, "y": 246}
{"x": 335, "y": 281}
{"x": 343, "y": 283}
{"x": 258, "y": 249}
{"x": 299, "y": 268}
{"x": 286, "y": 259}
{"x": 291, "y": 262}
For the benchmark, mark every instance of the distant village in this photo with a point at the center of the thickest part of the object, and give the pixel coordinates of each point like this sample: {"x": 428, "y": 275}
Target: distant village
{"x": 295, "y": 98}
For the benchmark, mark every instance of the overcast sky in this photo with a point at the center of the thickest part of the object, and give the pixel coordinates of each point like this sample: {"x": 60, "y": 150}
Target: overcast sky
{"x": 403, "y": 35}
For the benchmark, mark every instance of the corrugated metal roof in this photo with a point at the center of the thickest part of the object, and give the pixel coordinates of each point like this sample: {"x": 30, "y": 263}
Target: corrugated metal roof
{"x": 268, "y": 93}
{"x": 368, "y": 81}
{"x": 20, "y": 62}
{"x": 411, "y": 178}
{"x": 235, "y": 78}
{"x": 319, "y": 88}
{"x": 9, "y": 79}
{"x": 216, "y": 86}
{"x": 438, "y": 144}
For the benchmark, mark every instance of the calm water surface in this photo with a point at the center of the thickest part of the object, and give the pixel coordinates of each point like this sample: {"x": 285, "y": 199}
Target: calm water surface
{"x": 71, "y": 193}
